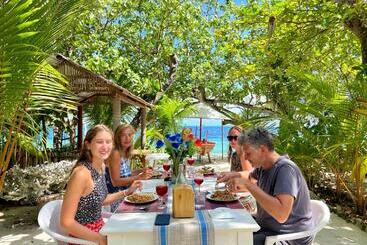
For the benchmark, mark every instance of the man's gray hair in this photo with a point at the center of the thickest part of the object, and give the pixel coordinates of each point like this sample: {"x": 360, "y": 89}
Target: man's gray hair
{"x": 256, "y": 137}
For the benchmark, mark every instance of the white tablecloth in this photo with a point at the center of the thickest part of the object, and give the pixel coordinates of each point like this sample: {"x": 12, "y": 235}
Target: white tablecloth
{"x": 137, "y": 228}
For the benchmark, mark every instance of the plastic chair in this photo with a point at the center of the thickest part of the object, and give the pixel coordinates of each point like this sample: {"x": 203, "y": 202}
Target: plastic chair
{"x": 49, "y": 221}
{"x": 321, "y": 217}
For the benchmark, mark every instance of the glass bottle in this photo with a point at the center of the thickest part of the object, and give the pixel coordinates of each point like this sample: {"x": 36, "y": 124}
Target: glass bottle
{"x": 181, "y": 178}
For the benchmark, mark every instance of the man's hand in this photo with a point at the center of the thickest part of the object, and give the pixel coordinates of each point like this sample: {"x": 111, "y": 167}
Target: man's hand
{"x": 226, "y": 176}
{"x": 238, "y": 184}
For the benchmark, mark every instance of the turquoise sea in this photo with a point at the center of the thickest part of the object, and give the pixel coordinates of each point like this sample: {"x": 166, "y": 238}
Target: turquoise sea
{"x": 211, "y": 130}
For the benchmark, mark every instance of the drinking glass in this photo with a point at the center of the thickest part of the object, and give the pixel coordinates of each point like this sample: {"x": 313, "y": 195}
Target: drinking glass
{"x": 166, "y": 166}
{"x": 161, "y": 190}
{"x": 198, "y": 179}
{"x": 190, "y": 170}
{"x": 200, "y": 197}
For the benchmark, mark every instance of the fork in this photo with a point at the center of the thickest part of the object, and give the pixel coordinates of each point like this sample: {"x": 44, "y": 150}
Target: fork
{"x": 144, "y": 208}
{"x": 217, "y": 187}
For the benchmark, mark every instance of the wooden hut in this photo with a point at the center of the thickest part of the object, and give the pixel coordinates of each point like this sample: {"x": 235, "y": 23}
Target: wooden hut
{"x": 88, "y": 85}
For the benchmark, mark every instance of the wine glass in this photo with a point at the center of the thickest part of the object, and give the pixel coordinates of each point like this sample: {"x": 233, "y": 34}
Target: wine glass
{"x": 199, "y": 179}
{"x": 190, "y": 162}
{"x": 200, "y": 198}
{"x": 161, "y": 190}
{"x": 166, "y": 166}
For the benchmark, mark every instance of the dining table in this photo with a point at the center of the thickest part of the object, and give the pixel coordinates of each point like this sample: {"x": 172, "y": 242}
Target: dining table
{"x": 134, "y": 224}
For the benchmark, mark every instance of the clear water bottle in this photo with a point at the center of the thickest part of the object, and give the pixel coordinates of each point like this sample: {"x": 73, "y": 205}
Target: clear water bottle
{"x": 181, "y": 178}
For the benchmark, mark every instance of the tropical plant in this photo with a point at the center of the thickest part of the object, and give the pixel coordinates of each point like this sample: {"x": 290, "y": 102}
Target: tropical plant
{"x": 169, "y": 113}
{"x": 30, "y": 32}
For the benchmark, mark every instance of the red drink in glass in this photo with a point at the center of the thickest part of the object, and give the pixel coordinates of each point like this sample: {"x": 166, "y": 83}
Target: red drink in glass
{"x": 166, "y": 166}
{"x": 161, "y": 190}
{"x": 198, "y": 180}
{"x": 190, "y": 161}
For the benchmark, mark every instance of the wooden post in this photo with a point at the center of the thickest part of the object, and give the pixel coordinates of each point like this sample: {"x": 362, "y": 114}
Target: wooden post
{"x": 143, "y": 126}
{"x": 201, "y": 127}
{"x": 116, "y": 110}
{"x": 222, "y": 131}
{"x": 80, "y": 127}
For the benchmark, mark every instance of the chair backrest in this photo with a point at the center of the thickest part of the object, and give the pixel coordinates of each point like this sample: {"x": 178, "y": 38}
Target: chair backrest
{"x": 49, "y": 221}
{"x": 320, "y": 216}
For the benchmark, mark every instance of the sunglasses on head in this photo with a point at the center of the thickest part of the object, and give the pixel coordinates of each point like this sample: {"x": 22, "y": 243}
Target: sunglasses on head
{"x": 232, "y": 137}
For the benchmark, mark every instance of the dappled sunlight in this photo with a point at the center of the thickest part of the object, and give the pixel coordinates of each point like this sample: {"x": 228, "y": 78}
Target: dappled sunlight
{"x": 33, "y": 236}
{"x": 9, "y": 239}
{"x": 329, "y": 228}
{"x": 346, "y": 228}
{"x": 43, "y": 237}
{"x": 346, "y": 240}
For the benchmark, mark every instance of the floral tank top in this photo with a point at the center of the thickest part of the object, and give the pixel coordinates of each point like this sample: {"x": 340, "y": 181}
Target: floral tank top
{"x": 90, "y": 207}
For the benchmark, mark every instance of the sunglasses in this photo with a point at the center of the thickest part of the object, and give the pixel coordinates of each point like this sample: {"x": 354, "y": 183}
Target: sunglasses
{"x": 232, "y": 137}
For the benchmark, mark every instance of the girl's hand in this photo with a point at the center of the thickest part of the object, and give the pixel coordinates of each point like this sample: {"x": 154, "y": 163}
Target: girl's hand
{"x": 137, "y": 184}
{"x": 102, "y": 240}
{"x": 145, "y": 175}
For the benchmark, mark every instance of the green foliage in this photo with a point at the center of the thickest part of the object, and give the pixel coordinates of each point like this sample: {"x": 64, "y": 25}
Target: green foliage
{"x": 170, "y": 112}
{"x": 30, "y": 32}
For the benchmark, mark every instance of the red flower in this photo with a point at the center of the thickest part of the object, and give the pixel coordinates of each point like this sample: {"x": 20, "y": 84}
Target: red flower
{"x": 198, "y": 143}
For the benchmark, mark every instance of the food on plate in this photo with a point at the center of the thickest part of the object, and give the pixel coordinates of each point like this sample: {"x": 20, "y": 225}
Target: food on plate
{"x": 141, "y": 197}
{"x": 206, "y": 170}
{"x": 156, "y": 174}
{"x": 223, "y": 195}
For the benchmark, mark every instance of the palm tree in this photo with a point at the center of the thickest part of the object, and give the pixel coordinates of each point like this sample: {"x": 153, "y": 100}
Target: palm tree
{"x": 30, "y": 32}
{"x": 169, "y": 112}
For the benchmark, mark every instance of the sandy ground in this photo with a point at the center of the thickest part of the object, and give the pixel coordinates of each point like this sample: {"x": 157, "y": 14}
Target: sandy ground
{"x": 18, "y": 225}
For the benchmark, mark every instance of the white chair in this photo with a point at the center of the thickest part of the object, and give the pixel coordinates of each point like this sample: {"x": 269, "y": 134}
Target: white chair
{"x": 321, "y": 217}
{"x": 49, "y": 221}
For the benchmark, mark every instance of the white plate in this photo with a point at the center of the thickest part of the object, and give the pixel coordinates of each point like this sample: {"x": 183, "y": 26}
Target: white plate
{"x": 155, "y": 197}
{"x": 209, "y": 196}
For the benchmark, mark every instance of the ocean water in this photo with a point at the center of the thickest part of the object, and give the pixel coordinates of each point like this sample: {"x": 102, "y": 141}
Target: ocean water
{"x": 213, "y": 134}
{"x": 211, "y": 130}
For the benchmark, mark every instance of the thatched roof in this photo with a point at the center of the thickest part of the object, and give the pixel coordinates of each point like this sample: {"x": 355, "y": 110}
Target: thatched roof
{"x": 86, "y": 84}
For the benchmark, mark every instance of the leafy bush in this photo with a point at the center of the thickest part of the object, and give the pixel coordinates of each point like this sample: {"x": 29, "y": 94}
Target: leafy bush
{"x": 27, "y": 185}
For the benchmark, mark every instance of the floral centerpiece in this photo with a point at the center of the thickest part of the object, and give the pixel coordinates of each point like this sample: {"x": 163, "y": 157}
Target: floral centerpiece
{"x": 178, "y": 146}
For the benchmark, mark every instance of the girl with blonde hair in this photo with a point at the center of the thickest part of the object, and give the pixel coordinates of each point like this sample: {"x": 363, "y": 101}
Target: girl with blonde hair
{"x": 118, "y": 173}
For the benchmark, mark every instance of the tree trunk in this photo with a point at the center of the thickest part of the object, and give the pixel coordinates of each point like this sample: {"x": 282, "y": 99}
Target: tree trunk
{"x": 356, "y": 25}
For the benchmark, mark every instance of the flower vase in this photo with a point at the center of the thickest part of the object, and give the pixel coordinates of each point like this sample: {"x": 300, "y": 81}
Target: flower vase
{"x": 175, "y": 170}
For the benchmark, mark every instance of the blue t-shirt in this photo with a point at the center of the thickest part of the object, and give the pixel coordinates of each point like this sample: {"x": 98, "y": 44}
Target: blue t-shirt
{"x": 285, "y": 178}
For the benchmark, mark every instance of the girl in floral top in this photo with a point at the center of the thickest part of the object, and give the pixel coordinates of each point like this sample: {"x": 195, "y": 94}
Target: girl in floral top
{"x": 86, "y": 192}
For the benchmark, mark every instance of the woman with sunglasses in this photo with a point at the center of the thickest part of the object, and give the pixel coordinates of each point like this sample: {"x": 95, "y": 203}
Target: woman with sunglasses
{"x": 235, "y": 157}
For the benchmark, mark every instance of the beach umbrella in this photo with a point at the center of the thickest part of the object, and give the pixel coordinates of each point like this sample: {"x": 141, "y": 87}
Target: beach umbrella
{"x": 203, "y": 111}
